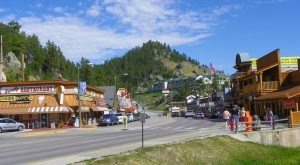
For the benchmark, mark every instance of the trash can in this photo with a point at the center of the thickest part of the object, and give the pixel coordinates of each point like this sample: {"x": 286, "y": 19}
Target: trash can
{"x": 52, "y": 125}
{"x": 76, "y": 124}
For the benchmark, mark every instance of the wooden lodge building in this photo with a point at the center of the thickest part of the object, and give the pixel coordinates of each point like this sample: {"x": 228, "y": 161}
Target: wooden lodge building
{"x": 264, "y": 82}
{"x": 41, "y": 104}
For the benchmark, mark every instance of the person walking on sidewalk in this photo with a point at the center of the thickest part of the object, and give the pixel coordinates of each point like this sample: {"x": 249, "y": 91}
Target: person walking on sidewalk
{"x": 270, "y": 116}
{"x": 226, "y": 117}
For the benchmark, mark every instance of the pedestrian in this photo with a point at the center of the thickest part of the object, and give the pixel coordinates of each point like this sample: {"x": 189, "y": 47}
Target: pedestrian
{"x": 270, "y": 116}
{"x": 242, "y": 115}
{"x": 235, "y": 114}
{"x": 226, "y": 117}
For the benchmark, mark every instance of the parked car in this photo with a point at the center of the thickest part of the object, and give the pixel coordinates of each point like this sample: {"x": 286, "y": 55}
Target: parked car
{"x": 199, "y": 114}
{"x": 189, "y": 113}
{"x": 7, "y": 124}
{"x": 147, "y": 116}
{"x": 108, "y": 119}
{"x": 120, "y": 117}
{"x": 129, "y": 117}
{"x": 215, "y": 115}
{"x": 136, "y": 116}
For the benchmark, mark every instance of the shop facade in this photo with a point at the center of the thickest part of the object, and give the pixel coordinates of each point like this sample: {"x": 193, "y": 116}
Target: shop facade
{"x": 48, "y": 104}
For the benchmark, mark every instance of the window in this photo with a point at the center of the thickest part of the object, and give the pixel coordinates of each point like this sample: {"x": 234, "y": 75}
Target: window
{"x": 2, "y": 121}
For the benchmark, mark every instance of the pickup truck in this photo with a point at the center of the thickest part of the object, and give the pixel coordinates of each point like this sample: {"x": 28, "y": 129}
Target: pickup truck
{"x": 189, "y": 113}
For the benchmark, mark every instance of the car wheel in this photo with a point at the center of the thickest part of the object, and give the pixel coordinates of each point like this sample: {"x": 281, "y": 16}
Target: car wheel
{"x": 20, "y": 128}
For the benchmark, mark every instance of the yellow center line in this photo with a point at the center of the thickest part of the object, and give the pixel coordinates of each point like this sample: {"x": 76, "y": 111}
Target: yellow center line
{"x": 42, "y": 134}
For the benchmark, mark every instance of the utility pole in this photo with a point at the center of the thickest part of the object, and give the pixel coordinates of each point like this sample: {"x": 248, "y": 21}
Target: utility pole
{"x": 2, "y": 75}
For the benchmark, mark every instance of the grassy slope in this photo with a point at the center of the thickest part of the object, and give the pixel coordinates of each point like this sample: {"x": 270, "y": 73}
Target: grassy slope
{"x": 215, "y": 150}
{"x": 151, "y": 100}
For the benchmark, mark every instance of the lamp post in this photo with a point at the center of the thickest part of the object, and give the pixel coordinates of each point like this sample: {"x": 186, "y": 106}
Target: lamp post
{"x": 78, "y": 93}
{"x": 78, "y": 96}
{"x": 124, "y": 74}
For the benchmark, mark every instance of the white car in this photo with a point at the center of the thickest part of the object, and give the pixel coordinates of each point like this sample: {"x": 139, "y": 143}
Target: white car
{"x": 130, "y": 117}
{"x": 7, "y": 124}
{"x": 120, "y": 117}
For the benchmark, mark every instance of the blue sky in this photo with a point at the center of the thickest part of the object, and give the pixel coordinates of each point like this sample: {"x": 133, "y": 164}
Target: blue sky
{"x": 207, "y": 30}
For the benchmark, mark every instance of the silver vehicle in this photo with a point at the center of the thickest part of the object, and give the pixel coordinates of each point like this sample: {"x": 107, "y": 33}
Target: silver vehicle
{"x": 7, "y": 124}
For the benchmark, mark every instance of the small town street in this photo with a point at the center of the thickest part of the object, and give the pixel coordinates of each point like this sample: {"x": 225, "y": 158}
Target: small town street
{"x": 73, "y": 145}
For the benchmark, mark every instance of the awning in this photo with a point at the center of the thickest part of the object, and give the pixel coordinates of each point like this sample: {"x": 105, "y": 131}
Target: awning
{"x": 98, "y": 109}
{"x": 84, "y": 109}
{"x": 12, "y": 111}
{"x": 59, "y": 109}
{"x": 292, "y": 92}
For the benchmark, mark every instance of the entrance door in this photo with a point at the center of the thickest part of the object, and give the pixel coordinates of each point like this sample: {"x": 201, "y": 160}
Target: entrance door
{"x": 44, "y": 120}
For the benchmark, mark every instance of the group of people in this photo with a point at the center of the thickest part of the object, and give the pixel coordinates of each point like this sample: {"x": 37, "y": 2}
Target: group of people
{"x": 236, "y": 113}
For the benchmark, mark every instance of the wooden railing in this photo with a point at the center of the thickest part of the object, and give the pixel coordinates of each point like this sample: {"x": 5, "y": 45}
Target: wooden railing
{"x": 270, "y": 85}
{"x": 253, "y": 88}
{"x": 295, "y": 118}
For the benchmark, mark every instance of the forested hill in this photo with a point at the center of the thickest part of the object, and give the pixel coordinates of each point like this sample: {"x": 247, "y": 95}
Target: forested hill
{"x": 153, "y": 61}
{"x": 42, "y": 62}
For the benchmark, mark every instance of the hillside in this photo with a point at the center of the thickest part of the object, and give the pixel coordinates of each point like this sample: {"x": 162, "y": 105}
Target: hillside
{"x": 153, "y": 61}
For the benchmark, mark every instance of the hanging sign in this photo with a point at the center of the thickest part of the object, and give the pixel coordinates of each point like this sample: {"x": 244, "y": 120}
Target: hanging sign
{"x": 289, "y": 104}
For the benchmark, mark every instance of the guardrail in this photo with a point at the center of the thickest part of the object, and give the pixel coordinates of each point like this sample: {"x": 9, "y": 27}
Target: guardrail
{"x": 258, "y": 125}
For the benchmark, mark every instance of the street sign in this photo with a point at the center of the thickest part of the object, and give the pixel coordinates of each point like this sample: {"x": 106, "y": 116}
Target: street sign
{"x": 142, "y": 118}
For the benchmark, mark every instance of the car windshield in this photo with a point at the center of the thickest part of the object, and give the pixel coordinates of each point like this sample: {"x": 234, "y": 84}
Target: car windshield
{"x": 106, "y": 116}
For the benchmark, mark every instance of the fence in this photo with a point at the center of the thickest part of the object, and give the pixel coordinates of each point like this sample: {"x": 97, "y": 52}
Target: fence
{"x": 259, "y": 125}
{"x": 295, "y": 118}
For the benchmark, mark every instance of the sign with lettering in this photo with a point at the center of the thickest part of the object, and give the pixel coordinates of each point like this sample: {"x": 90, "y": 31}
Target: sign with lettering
{"x": 289, "y": 104}
{"x": 16, "y": 99}
{"x": 27, "y": 89}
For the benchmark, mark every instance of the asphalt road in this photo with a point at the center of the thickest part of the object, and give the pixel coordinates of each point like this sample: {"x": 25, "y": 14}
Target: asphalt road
{"x": 73, "y": 145}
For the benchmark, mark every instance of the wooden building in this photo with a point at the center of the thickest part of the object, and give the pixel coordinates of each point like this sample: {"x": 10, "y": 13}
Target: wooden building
{"x": 266, "y": 86}
{"x": 42, "y": 103}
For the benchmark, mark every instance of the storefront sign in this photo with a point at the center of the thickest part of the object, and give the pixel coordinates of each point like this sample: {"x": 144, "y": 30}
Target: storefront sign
{"x": 27, "y": 89}
{"x": 16, "y": 99}
{"x": 289, "y": 104}
{"x": 101, "y": 104}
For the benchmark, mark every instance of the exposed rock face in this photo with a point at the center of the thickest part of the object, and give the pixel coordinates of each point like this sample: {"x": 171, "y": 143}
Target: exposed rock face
{"x": 13, "y": 61}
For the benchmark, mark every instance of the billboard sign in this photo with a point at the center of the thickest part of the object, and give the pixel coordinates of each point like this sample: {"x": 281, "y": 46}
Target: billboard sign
{"x": 82, "y": 90}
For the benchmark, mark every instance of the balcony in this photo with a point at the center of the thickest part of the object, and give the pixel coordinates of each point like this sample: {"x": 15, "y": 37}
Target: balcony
{"x": 270, "y": 85}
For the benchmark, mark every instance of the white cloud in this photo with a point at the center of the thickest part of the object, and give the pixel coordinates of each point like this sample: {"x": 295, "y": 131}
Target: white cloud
{"x": 94, "y": 10}
{"x": 130, "y": 23}
{"x": 2, "y": 10}
{"x": 58, "y": 9}
{"x": 8, "y": 18}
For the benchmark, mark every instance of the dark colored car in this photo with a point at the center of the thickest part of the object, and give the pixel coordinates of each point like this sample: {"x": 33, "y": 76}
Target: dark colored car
{"x": 199, "y": 114}
{"x": 108, "y": 119}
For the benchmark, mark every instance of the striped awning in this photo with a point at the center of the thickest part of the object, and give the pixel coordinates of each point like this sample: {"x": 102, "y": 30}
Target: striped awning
{"x": 58, "y": 109}
{"x": 98, "y": 109}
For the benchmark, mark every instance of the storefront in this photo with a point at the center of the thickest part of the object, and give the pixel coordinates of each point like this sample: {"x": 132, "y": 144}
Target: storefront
{"x": 45, "y": 104}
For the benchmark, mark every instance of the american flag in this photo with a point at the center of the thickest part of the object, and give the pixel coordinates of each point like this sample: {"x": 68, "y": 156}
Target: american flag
{"x": 212, "y": 69}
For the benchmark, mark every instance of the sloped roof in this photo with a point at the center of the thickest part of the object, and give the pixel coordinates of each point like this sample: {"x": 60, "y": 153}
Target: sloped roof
{"x": 288, "y": 93}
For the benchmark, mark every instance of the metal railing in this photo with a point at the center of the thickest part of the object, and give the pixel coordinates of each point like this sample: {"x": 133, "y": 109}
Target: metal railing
{"x": 259, "y": 125}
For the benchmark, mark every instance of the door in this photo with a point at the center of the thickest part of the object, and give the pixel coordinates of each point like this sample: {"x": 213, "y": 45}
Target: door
{"x": 3, "y": 124}
{"x": 11, "y": 124}
{"x": 44, "y": 120}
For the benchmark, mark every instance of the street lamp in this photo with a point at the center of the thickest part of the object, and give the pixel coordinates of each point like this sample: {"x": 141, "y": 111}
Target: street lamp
{"x": 78, "y": 93}
{"x": 124, "y": 74}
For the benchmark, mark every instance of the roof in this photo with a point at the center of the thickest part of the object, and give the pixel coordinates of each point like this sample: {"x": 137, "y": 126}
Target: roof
{"x": 288, "y": 93}
{"x": 109, "y": 94}
{"x": 47, "y": 82}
